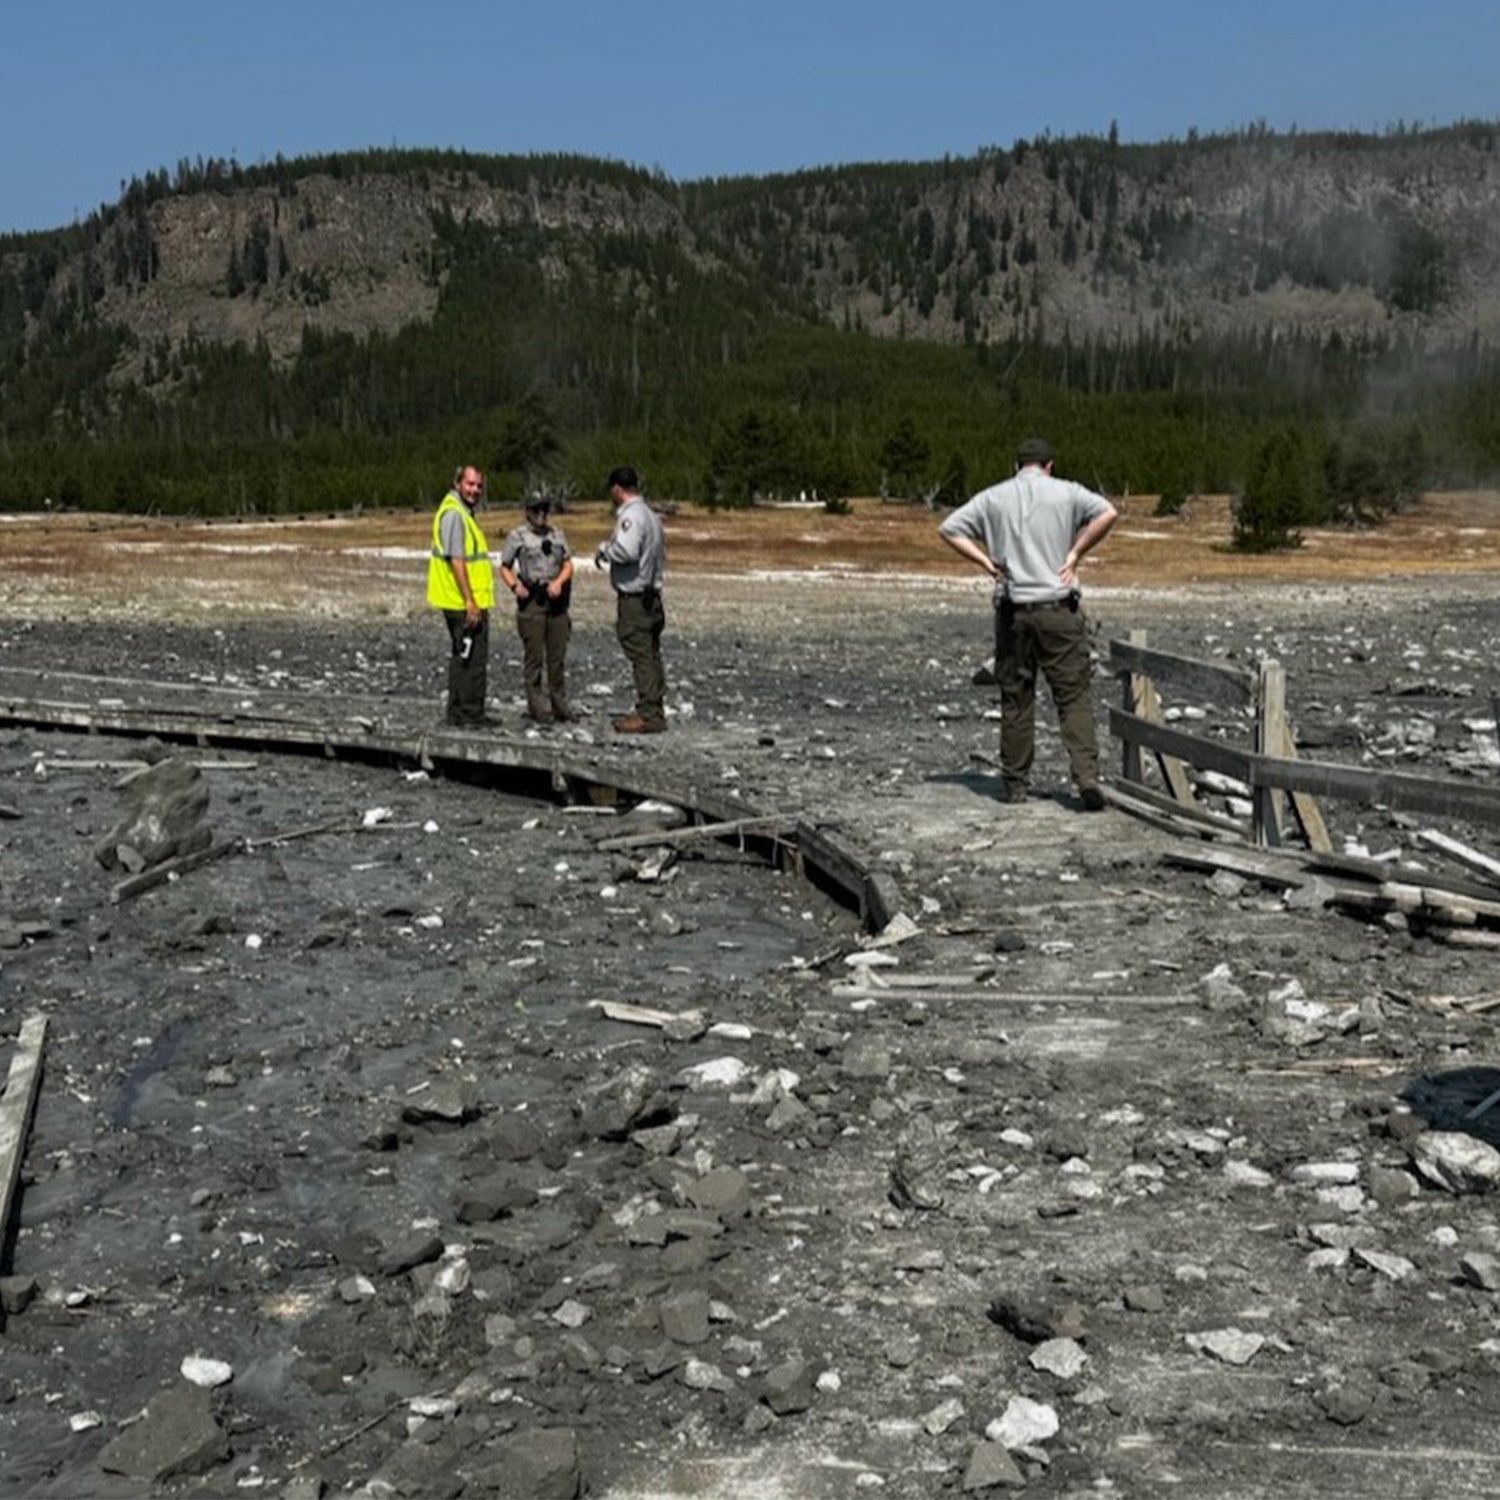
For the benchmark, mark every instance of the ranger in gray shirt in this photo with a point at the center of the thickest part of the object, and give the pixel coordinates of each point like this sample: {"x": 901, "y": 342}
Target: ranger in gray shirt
{"x": 1029, "y": 534}
{"x": 636, "y": 556}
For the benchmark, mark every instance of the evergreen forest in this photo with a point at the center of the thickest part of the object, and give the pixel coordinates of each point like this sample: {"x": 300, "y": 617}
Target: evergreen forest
{"x": 710, "y": 357}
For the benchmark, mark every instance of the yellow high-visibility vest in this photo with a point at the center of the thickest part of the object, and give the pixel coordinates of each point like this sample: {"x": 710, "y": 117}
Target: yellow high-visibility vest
{"x": 442, "y": 587}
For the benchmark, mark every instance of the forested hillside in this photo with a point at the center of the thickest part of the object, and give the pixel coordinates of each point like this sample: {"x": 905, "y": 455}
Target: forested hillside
{"x": 335, "y": 331}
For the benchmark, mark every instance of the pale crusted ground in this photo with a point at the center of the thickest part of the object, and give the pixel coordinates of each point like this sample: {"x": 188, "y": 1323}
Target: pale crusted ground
{"x": 1075, "y": 1098}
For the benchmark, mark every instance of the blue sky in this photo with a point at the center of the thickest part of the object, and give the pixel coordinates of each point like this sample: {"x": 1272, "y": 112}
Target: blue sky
{"x": 93, "y": 93}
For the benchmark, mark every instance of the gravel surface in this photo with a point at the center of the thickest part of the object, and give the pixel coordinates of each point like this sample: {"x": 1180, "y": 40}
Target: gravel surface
{"x": 1099, "y": 1180}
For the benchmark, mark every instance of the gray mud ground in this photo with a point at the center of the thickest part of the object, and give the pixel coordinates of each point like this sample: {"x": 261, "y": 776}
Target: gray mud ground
{"x": 272, "y": 1083}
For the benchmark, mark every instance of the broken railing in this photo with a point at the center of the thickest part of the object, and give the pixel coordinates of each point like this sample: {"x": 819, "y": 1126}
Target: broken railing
{"x": 1282, "y": 789}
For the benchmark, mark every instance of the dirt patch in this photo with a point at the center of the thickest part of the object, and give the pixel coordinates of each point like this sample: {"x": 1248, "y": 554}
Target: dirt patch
{"x": 341, "y": 1115}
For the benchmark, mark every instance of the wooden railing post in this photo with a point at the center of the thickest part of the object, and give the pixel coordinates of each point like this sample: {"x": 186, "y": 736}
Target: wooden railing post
{"x": 1133, "y": 683}
{"x": 1270, "y": 736}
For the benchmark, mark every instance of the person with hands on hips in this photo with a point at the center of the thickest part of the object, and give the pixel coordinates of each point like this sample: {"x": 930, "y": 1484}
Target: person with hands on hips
{"x": 1029, "y": 534}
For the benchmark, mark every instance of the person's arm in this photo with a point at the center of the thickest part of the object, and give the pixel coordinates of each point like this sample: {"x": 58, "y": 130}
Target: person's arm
{"x": 564, "y": 576}
{"x": 967, "y": 547}
{"x": 624, "y": 544}
{"x": 472, "y": 611}
{"x": 512, "y": 581}
{"x": 1085, "y": 542}
{"x": 453, "y": 539}
{"x": 508, "y": 575}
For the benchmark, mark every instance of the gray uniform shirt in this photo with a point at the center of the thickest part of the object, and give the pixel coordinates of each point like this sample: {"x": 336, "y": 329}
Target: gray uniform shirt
{"x": 534, "y": 556}
{"x": 636, "y": 551}
{"x": 1027, "y": 524}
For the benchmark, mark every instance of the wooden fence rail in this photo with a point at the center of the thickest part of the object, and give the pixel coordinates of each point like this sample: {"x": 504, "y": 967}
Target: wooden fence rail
{"x": 1281, "y": 787}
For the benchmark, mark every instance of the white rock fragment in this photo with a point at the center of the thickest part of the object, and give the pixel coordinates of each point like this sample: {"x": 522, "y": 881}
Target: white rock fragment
{"x": 85, "y": 1421}
{"x": 1230, "y": 1345}
{"x": 1023, "y": 1423}
{"x": 433, "y": 1406}
{"x": 1456, "y": 1162}
{"x": 1347, "y": 1200}
{"x": 774, "y": 1085}
{"x": 572, "y": 1313}
{"x": 1242, "y": 1174}
{"x": 1395, "y": 1267}
{"x": 1219, "y": 989}
{"x": 830, "y": 1382}
{"x": 942, "y": 1416}
{"x": 732, "y": 1031}
{"x": 1201, "y": 1144}
{"x": 375, "y": 816}
{"x": 1063, "y": 1358}
{"x": 700, "y": 1375}
{"x": 208, "y": 1373}
{"x": 1330, "y": 1258}
{"x": 1325, "y": 1173}
{"x": 717, "y": 1073}
{"x": 1481, "y": 1270}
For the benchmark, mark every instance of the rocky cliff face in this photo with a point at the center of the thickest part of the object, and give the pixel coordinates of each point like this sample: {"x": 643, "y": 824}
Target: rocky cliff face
{"x": 340, "y": 255}
{"x": 1359, "y": 237}
{"x": 1347, "y": 235}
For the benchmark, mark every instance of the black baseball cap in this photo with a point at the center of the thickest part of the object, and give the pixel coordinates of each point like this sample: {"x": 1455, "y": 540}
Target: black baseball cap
{"x": 1034, "y": 450}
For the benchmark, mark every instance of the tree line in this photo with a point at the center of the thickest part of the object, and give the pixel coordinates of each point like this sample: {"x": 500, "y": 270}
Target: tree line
{"x": 713, "y": 364}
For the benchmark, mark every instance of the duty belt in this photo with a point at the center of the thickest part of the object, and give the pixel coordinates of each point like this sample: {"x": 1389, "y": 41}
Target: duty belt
{"x": 1068, "y": 601}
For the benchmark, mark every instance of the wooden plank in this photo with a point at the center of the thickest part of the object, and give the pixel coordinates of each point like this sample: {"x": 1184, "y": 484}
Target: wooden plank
{"x": 1382, "y": 870}
{"x": 984, "y": 996}
{"x": 67, "y": 763}
{"x": 1212, "y": 755}
{"x": 16, "y": 1108}
{"x": 1218, "y": 682}
{"x": 1131, "y": 686}
{"x": 1197, "y": 815}
{"x": 1447, "y": 798}
{"x": 1469, "y": 857}
{"x": 771, "y": 824}
{"x": 1173, "y": 771}
{"x": 1268, "y": 818}
{"x": 169, "y": 869}
{"x": 1283, "y": 743}
{"x": 1254, "y": 864}
{"x": 825, "y": 853}
{"x": 1464, "y": 937}
{"x": 1440, "y": 900}
{"x": 645, "y": 1015}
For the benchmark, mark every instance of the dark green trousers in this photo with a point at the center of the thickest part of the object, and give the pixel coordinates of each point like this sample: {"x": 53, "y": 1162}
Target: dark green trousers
{"x": 1055, "y": 644}
{"x": 468, "y": 667}
{"x": 544, "y": 633}
{"x": 639, "y": 622}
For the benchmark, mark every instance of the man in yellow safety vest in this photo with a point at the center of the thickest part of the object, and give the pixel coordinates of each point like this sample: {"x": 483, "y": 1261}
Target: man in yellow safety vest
{"x": 461, "y": 583}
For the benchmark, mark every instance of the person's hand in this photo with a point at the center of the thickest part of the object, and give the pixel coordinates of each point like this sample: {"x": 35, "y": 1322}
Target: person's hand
{"x": 472, "y": 614}
{"x": 1068, "y": 573}
{"x": 521, "y": 592}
